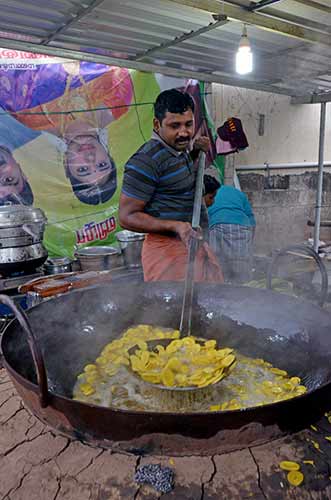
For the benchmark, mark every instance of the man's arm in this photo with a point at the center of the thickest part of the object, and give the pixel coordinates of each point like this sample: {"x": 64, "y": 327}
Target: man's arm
{"x": 133, "y": 217}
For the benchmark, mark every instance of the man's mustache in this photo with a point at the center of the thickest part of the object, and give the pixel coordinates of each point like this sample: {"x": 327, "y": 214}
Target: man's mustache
{"x": 183, "y": 139}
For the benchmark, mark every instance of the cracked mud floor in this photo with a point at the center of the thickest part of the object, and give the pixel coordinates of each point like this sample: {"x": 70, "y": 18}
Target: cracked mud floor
{"x": 37, "y": 464}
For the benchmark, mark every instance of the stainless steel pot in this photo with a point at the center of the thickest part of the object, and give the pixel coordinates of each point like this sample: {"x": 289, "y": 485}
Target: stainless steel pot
{"x": 18, "y": 215}
{"x": 131, "y": 245}
{"x": 58, "y": 265}
{"x": 21, "y": 235}
{"x": 25, "y": 258}
{"x": 99, "y": 258}
{"x": 34, "y": 232}
{"x": 16, "y": 241}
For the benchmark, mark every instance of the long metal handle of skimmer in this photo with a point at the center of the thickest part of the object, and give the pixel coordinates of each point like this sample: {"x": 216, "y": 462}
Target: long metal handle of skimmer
{"x": 34, "y": 348}
{"x": 186, "y": 315}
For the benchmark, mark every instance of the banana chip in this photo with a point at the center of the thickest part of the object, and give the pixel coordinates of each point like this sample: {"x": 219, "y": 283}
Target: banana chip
{"x": 295, "y": 477}
{"x": 198, "y": 362}
{"x": 289, "y": 466}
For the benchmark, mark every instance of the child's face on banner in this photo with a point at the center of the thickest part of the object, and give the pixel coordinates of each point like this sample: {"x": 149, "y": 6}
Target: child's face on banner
{"x": 88, "y": 161}
{"x": 11, "y": 176}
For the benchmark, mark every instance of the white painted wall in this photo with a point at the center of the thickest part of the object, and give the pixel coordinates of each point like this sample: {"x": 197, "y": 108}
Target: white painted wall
{"x": 291, "y": 131}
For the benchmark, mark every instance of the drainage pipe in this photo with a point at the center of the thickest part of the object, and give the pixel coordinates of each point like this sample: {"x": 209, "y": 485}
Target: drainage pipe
{"x": 319, "y": 193}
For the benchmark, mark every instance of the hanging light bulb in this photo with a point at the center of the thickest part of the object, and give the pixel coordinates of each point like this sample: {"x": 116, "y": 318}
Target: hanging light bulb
{"x": 244, "y": 56}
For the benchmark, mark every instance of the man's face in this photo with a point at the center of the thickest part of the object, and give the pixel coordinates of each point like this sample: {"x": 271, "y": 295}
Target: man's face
{"x": 176, "y": 129}
{"x": 209, "y": 199}
{"x": 11, "y": 176}
{"x": 88, "y": 161}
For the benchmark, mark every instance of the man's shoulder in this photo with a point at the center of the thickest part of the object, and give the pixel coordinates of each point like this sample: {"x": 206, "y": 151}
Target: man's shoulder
{"x": 153, "y": 153}
{"x": 150, "y": 148}
{"x": 146, "y": 150}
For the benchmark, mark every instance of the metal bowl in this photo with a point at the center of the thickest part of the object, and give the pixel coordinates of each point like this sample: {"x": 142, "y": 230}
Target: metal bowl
{"x": 58, "y": 265}
{"x": 99, "y": 258}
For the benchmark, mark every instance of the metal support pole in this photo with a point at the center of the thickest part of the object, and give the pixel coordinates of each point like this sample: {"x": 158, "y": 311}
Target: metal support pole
{"x": 320, "y": 177}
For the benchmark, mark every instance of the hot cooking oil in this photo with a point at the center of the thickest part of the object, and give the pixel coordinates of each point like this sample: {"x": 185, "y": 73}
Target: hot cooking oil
{"x": 251, "y": 382}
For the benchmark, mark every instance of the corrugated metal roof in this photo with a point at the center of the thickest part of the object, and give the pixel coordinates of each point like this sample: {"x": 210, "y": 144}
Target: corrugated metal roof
{"x": 290, "y": 39}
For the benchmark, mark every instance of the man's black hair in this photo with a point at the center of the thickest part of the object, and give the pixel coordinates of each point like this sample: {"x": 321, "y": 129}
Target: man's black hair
{"x": 211, "y": 184}
{"x": 173, "y": 101}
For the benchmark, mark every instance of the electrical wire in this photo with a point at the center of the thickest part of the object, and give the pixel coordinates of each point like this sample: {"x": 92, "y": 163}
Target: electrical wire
{"x": 135, "y": 104}
{"x": 137, "y": 113}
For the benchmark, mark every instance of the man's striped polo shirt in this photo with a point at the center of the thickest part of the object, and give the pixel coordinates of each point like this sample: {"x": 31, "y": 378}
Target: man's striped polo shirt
{"x": 162, "y": 177}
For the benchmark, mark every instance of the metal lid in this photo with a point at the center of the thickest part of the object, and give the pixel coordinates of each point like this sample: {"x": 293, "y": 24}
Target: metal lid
{"x": 129, "y": 236}
{"x": 16, "y": 215}
{"x": 97, "y": 251}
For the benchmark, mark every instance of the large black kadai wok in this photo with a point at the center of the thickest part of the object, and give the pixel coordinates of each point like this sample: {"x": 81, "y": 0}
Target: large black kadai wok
{"x": 71, "y": 330}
